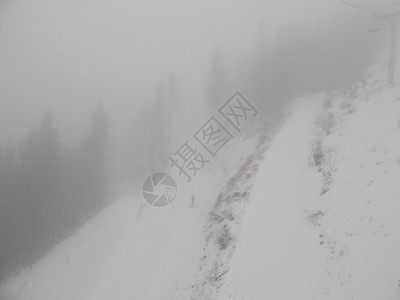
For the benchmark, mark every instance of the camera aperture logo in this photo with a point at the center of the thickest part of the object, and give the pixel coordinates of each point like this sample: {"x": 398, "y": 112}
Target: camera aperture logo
{"x": 159, "y": 189}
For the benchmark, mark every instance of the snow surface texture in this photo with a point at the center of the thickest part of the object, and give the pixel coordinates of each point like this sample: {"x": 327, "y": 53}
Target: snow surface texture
{"x": 309, "y": 212}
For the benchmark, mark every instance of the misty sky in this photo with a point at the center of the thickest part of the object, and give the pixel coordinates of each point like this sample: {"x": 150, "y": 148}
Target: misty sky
{"x": 66, "y": 55}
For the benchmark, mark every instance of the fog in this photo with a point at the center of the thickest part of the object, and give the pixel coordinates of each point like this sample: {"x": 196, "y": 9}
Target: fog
{"x": 84, "y": 85}
{"x": 64, "y": 57}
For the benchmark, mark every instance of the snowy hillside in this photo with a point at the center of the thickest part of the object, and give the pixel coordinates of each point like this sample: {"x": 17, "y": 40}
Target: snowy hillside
{"x": 308, "y": 210}
{"x": 323, "y": 220}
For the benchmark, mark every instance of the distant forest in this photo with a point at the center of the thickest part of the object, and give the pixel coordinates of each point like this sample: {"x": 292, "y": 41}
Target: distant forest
{"x": 47, "y": 190}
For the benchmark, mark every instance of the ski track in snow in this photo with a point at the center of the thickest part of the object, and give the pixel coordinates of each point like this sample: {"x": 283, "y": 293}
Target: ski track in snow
{"x": 275, "y": 253}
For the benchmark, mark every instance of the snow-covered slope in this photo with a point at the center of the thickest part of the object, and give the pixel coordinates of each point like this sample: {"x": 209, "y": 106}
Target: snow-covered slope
{"x": 277, "y": 255}
{"x": 121, "y": 255}
{"x": 308, "y": 212}
{"x": 323, "y": 220}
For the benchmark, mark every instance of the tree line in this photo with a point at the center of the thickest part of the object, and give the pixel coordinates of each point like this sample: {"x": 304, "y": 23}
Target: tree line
{"x": 48, "y": 190}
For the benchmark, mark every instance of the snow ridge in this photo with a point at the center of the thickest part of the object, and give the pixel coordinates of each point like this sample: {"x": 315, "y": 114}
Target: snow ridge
{"x": 224, "y": 221}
